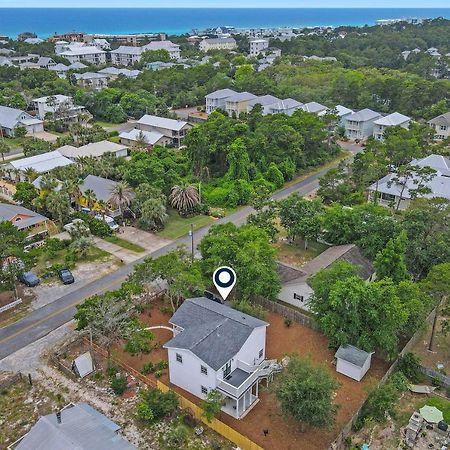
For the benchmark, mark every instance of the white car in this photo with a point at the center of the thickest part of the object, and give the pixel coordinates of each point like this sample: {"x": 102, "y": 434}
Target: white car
{"x": 109, "y": 221}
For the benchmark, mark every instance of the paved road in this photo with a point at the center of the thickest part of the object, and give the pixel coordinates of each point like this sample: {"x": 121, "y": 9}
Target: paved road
{"x": 46, "y": 319}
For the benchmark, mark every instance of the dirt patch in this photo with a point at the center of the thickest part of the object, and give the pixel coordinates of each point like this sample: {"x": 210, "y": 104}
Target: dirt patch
{"x": 17, "y": 312}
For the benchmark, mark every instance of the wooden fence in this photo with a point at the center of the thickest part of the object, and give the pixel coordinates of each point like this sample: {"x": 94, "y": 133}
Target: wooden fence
{"x": 221, "y": 428}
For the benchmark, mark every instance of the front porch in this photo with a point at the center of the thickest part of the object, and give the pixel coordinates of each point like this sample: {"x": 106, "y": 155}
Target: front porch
{"x": 240, "y": 407}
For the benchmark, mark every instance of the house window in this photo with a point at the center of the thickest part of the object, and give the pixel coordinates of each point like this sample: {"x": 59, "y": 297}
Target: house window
{"x": 204, "y": 390}
{"x": 227, "y": 369}
{"x": 388, "y": 197}
{"x": 179, "y": 358}
{"x": 443, "y": 127}
{"x": 261, "y": 353}
{"x": 204, "y": 370}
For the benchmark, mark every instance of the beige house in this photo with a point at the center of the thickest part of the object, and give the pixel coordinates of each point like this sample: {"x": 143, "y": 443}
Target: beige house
{"x": 217, "y": 44}
{"x": 441, "y": 125}
{"x": 173, "y": 129}
{"x": 238, "y": 103}
{"x": 148, "y": 139}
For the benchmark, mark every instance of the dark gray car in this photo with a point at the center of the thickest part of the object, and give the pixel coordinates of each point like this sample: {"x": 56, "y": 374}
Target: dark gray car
{"x": 65, "y": 275}
{"x": 29, "y": 278}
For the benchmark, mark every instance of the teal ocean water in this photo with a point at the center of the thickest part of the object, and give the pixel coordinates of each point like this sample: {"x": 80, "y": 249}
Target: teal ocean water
{"x": 48, "y": 21}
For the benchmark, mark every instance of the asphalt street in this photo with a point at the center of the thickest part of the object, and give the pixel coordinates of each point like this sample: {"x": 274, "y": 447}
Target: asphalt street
{"x": 46, "y": 319}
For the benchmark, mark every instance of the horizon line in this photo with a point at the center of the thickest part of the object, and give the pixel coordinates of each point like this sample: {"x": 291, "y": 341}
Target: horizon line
{"x": 220, "y": 7}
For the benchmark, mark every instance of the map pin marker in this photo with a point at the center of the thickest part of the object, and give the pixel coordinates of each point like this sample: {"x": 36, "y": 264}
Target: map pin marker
{"x": 224, "y": 279}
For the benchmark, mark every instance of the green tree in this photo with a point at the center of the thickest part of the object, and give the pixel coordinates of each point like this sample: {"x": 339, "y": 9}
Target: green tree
{"x": 4, "y": 148}
{"x": 25, "y": 194}
{"x": 121, "y": 196}
{"x": 390, "y": 262}
{"x": 212, "y": 405}
{"x": 184, "y": 198}
{"x": 306, "y": 393}
{"x": 238, "y": 161}
{"x": 155, "y": 405}
{"x": 153, "y": 214}
{"x": 247, "y": 249}
{"x": 58, "y": 205}
{"x": 20, "y": 132}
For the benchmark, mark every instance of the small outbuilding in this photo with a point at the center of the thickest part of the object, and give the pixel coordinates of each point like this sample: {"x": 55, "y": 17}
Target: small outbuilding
{"x": 352, "y": 361}
{"x": 83, "y": 365}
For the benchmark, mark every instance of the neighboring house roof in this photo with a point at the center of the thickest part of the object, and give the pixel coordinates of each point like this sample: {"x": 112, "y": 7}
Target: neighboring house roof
{"x": 116, "y": 71}
{"x": 162, "y": 122}
{"x": 442, "y": 120}
{"x": 127, "y": 50}
{"x": 264, "y": 100}
{"x": 437, "y": 162}
{"x": 287, "y": 103}
{"x": 9, "y": 117}
{"x": 213, "y": 332}
{"x": 220, "y": 41}
{"x": 82, "y": 50}
{"x": 221, "y": 93}
{"x": 102, "y": 187}
{"x": 42, "y": 163}
{"x": 161, "y": 45}
{"x": 353, "y": 355}
{"x": 392, "y": 120}
{"x": 59, "y": 98}
{"x": 149, "y": 137}
{"x": 33, "y": 40}
{"x": 314, "y": 107}
{"x": 364, "y": 115}
{"x": 241, "y": 97}
{"x": 94, "y": 149}
{"x": 77, "y": 65}
{"x": 45, "y": 61}
{"x": 90, "y": 76}
{"x": 343, "y": 111}
{"x": 8, "y": 212}
{"x": 59, "y": 67}
{"x": 81, "y": 428}
{"x": 4, "y": 61}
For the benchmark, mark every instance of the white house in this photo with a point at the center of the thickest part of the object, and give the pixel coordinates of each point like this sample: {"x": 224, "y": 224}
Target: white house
{"x": 227, "y": 43}
{"x": 11, "y": 118}
{"x": 441, "y": 125}
{"x": 257, "y": 46}
{"x": 390, "y": 192}
{"x": 94, "y": 150}
{"x": 92, "y": 80}
{"x": 352, "y": 361}
{"x": 215, "y": 347}
{"x": 174, "y": 129}
{"x": 315, "y": 108}
{"x": 392, "y": 120}
{"x": 57, "y": 106}
{"x": 287, "y": 106}
{"x": 217, "y": 99}
{"x": 169, "y": 46}
{"x": 343, "y": 112}
{"x": 127, "y": 55}
{"x": 148, "y": 138}
{"x": 114, "y": 72}
{"x": 360, "y": 125}
{"x": 92, "y": 55}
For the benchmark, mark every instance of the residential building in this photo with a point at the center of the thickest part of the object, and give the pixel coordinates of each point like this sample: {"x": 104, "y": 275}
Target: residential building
{"x": 257, "y": 46}
{"x": 392, "y": 192}
{"x": 103, "y": 190}
{"x": 33, "y": 41}
{"x": 88, "y": 53}
{"x": 441, "y": 125}
{"x": 4, "y": 61}
{"x": 237, "y": 103}
{"x": 315, "y": 108}
{"x": 60, "y": 69}
{"x": 295, "y": 288}
{"x": 92, "y": 80}
{"x": 79, "y": 427}
{"x": 57, "y": 107}
{"x": 287, "y": 106}
{"x": 265, "y": 101}
{"x": 352, "y": 361}
{"x": 43, "y": 163}
{"x": 174, "y": 129}
{"x": 173, "y": 49}
{"x": 11, "y": 118}
{"x": 45, "y": 62}
{"x": 147, "y": 138}
{"x": 392, "y": 120}
{"x": 94, "y": 150}
{"x": 227, "y": 43}
{"x": 77, "y": 66}
{"x": 127, "y": 55}
{"x": 217, "y": 99}
{"x": 215, "y": 347}
{"x": 360, "y": 125}
{"x": 342, "y": 112}
{"x": 24, "y": 219}
{"x": 114, "y": 73}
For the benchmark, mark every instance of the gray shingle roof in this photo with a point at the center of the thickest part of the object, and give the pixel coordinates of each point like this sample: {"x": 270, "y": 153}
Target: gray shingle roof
{"x": 221, "y": 93}
{"x": 314, "y": 107}
{"x": 443, "y": 119}
{"x": 7, "y": 212}
{"x": 363, "y": 115}
{"x": 264, "y": 100}
{"x": 213, "y": 332}
{"x": 149, "y": 137}
{"x": 162, "y": 122}
{"x": 81, "y": 428}
{"x": 353, "y": 355}
{"x": 101, "y": 186}
{"x": 42, "y": 163}
{"x": 9, "y": 117}
{"x": 392, "y": 120}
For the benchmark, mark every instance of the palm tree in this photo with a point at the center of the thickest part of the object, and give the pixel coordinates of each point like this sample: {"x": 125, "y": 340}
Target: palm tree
{"x": 4, "y": 148}
{"x": 91, "y": 198}
{"x": 72, "y": 187}
{"x": 184, "y": 197}
{"x": 30, "y": 174}
{"x": 121, "y": 196}
{"x": 153, "y": 214}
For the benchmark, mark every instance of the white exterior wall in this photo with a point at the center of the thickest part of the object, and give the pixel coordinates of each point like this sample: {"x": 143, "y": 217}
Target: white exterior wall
{"x": 215, "y": 103}
{"x": 291, "y": 293}
{"x": 359, "y": 130}
{"x": 124, "y": 59}
{"x": 249, "y": 353}
{"x": 352, "y": 371}
{"x": 257, "y": 46}
{"x": 442, "y": 131}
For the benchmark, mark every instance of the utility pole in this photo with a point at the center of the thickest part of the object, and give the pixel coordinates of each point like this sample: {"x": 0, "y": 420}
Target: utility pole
{"x": 191, "y": 234}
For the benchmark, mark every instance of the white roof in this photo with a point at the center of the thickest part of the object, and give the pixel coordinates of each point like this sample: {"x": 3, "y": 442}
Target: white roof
{"x": 342, "y": 110}
{"x": 59, "y": 67}
{"x": 162, "y": 122}
{"x": 161, "y": 45}
{"x": 42, "y": 163}
{"x": 127, "y": 50}
{"x": 90, "y": 76}
{"x": 241, "y": 97}
{"x": 392, "y": 120}
{"x": 221, "y": 93}
{"x": 437, "y": 162}
{"x": 149, "y": 137}
{"x": 84, "y": 364}
{"x": 314, "y": 107}
{"x": 80, "y": 51}
{"x": 287, "y": 103}
{"x": 94, "y": 149}
{"x": 58, "y": 97}
{"x": 77, "y": 65}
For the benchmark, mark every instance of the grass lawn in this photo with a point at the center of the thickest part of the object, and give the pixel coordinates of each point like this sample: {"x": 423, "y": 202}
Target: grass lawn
{"x": 16, "y": 142}
{"x": 177, "y": 226}
{"x": 124, "y": 244}
{"x": 440, "y": 403}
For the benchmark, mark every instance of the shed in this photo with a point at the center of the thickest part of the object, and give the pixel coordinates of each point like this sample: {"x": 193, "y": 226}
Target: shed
{"x": 83, "y": 365}
{"x": 352, "y": 361}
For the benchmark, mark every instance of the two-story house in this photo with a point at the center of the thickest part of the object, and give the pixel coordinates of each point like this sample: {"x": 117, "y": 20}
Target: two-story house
{"x": 392, "y": 120}
{"x": 257, "y": 46}
{"x": 360, "y": 125}
{"x": 215, "y": 347}
{"x": 88, "y": 53}
{"x": 174, "y": 129}
{"x": 224, "y": 43}
{"x": 217, "y": 99}
{"x": 24, "y": 219}
{"x": 237, "y": 103}
{"x": 287, "y": 106}
{"x": 127, "y": 55}
{"x": 57, "y": 107}
{"x": 441, "y": 125}
{"x": 12, "y": 118}
{"x": 92, "y": 80}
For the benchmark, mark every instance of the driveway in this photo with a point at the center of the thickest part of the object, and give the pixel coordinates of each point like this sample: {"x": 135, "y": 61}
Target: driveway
{"x": 45, "y": 136}
{"x": 149, "y": 241}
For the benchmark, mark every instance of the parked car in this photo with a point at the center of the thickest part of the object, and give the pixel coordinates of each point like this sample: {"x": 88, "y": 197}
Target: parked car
{"x": 65, "y": 275}
{"x": 30, "y": 279}
{"x": 109, "y": 221}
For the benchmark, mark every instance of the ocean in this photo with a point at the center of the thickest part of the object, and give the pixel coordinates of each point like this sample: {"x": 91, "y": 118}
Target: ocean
{"x": 48, "y": 21}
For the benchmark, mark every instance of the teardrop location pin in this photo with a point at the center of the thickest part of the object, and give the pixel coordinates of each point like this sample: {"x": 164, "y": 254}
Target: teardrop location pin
{"x": 224, "y": 279}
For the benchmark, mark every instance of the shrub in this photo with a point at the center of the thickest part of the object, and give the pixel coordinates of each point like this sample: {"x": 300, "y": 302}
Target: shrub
{"x": 189, "y": 420}
{"x": 147, "y": 368}
{"x": 409, "y": 364}
{"x": 119, "y": 384}
{"x": 160, "y": 403}
{"x": 97, "y": 227}
{"x": 212, "y": 405}
{"x": 177, "y": 436}
{"x": 251, "y": 309}
{"x": 436, "y": 382}
{"x": 111, "y": 369}
{"x": 144, "y": 412}
{"x": 287, "y": 323}
{"x": 139, "y": 342}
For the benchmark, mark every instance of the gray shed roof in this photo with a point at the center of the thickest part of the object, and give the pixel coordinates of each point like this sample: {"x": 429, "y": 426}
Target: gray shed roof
{"x": 81, "y": 428}
{"x": 8, "y": 212}
{"x": 352, "y": 355}
{"x": 83, "y": 364}
{"x": 213, "y": 332}
{"x": 101, "y": 186}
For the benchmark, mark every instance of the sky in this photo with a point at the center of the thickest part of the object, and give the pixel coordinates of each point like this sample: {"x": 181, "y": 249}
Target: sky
{"x": 229, "y": 3}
